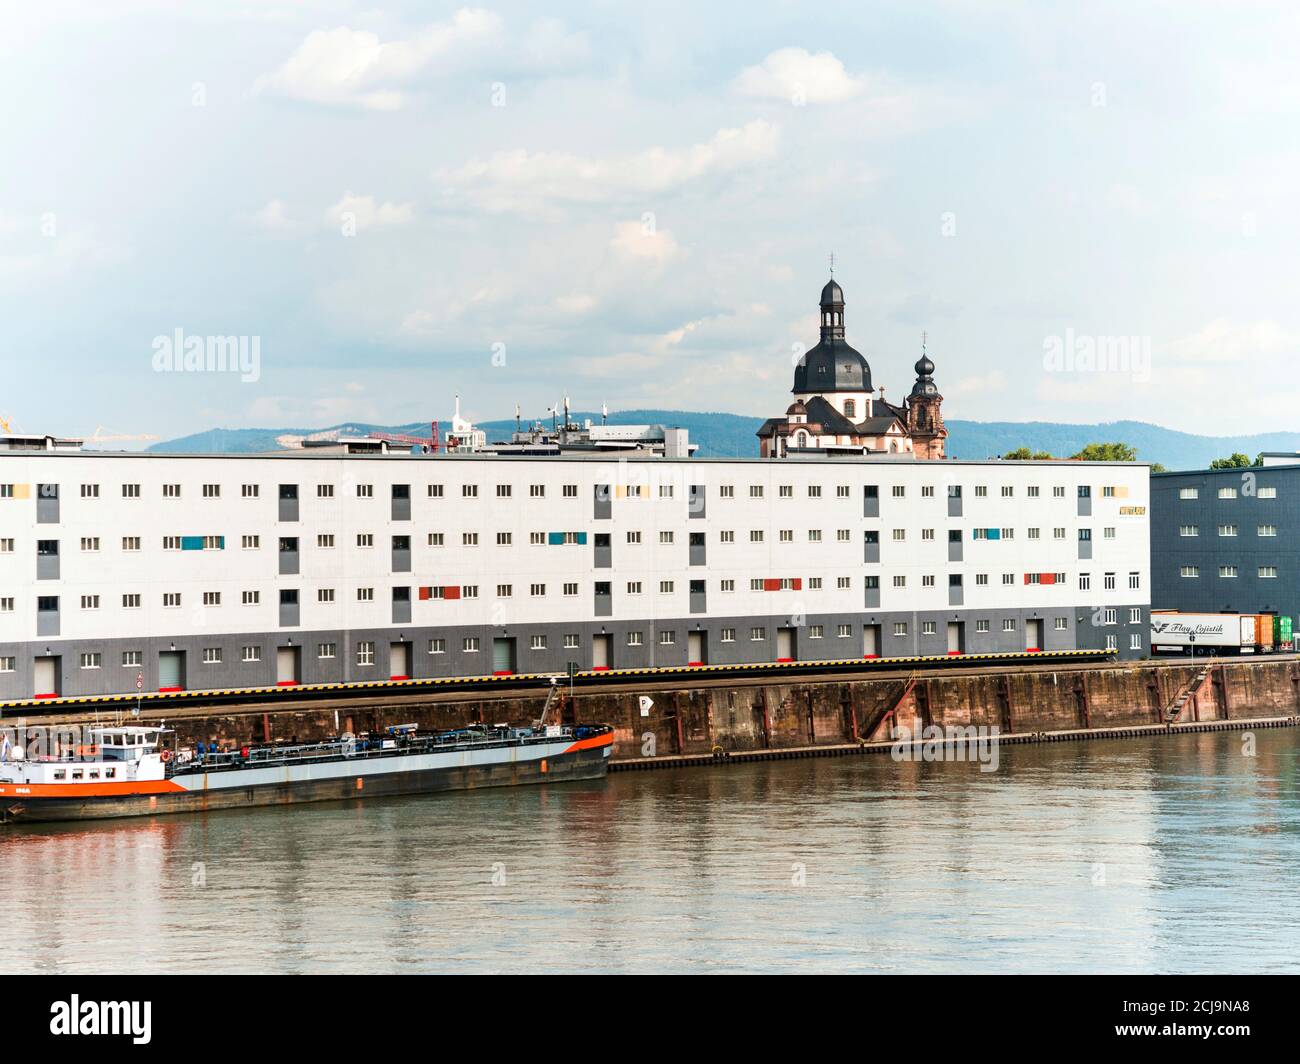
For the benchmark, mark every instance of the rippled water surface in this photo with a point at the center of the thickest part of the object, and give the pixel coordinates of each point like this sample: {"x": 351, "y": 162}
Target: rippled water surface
{"x": 1146, "y": 855}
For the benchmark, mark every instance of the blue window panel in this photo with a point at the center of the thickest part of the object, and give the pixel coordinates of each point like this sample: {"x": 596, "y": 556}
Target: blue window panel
{"x": 191, "y": 542}
{"x": 555, "y": 538}
{"x": 994, "y": 533}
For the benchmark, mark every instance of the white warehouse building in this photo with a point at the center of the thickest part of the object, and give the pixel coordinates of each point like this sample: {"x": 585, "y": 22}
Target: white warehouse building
{"x": 120, "y": 571}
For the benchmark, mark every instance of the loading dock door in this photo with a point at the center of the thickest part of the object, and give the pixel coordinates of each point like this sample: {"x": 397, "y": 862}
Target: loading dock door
{"x": 399, "y": 661}
{"x": 503, "y": 656}
{"x": 785, "y": 644}
{"x": 871, "y": 640}
{"x": 600, "y": 651}
{"x": 1034, "y": 635}
{"x": 696, "y": 649}
{"x": 286, "y": 666}
{"x": 956, "y": 637}
{"x": 171, "y": 670}
{"x": 47, "y": 677}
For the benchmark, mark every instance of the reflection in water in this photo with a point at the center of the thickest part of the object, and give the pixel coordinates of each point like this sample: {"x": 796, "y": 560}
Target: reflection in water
{"x": 1178, "y": 855}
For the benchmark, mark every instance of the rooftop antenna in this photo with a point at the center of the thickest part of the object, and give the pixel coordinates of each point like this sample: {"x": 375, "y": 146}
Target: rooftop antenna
{"x": 566, "y": 410}
{"x": 604, "y": 413}
{"x": 516, "y": 417}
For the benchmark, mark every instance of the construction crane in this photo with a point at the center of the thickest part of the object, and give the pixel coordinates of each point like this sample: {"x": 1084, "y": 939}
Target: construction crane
{"x": 103, "y": 436}
{"x": 432, "y": 441}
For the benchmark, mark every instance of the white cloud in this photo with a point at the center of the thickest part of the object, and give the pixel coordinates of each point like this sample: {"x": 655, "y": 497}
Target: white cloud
{"x": 272, "y": 217}
{"x": 364, "y": 212}
{"x": 521, "y": 180}
{"x": 354, "y": 68}
{"x": 1225, "y": 343}
{"x": 797, "y": 75}
{"x": 575, "y": 303}
{"x": 633, "y": 240}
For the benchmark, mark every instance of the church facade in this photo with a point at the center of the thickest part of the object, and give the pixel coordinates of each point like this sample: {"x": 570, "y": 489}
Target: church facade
{"x": 836, "y": 410}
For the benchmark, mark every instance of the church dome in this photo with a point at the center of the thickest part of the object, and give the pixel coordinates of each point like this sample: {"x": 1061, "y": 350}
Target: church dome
{"x": 832, "y": 366}
{"x": 924, "y": 386}
{"x": 796, "y": 407}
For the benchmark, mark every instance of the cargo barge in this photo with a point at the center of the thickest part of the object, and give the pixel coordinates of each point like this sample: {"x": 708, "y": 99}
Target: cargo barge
{"x": 128, "y": 771}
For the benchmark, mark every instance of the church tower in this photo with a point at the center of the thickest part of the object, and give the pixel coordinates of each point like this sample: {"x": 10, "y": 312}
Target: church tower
{"x": 924, "y": 417}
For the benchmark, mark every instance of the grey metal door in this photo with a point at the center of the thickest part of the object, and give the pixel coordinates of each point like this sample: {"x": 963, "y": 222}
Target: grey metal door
{"x": 503, "y": 655}
{"x": 46, "y": 677}
{"x": 171, "y": 670}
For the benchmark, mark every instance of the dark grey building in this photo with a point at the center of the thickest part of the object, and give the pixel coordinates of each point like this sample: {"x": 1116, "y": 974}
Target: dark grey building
{"x": 1227, "y": 540}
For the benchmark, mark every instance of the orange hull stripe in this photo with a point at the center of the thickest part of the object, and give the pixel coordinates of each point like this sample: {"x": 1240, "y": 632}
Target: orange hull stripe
{"x": 591, "y": 743}
{"x": 115, "y": 789}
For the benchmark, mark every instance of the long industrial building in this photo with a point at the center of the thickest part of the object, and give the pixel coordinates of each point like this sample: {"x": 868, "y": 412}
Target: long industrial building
{"x": 1228, "y": 540}
{"x": 121, "y": 571}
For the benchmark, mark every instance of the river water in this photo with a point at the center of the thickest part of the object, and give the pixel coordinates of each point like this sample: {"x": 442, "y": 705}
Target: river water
{"x": 1163, "y": 855}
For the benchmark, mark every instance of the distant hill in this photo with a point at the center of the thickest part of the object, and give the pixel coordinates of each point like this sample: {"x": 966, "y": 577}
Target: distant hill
{"x": 732, "y": 435}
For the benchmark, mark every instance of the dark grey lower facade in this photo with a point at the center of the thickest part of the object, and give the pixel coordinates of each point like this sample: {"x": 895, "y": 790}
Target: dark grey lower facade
{"x": 217, "y": 662}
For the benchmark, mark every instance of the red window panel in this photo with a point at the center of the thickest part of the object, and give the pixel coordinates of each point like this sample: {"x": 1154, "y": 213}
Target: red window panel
{"x": 1047, "y": 578}
{"x": 426, "y": 593}
{"x": 452, "y": 591}
{"x": 798, "y": 583}
{"x": 772, "y": 585}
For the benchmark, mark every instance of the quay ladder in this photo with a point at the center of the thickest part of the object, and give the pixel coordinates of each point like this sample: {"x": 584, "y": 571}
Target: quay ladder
{"x": 1175, "y": 708}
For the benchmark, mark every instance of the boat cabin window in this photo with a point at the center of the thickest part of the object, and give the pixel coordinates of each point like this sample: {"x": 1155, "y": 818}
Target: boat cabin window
{"x": 59, "y": 774}
{"x": 110, "y": 773}
{"x": 76, "y": 773}
{"x": 94, "y": 773}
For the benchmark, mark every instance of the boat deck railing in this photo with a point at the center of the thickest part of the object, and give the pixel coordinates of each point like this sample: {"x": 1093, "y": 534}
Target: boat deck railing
{"x": 377, "y": 747}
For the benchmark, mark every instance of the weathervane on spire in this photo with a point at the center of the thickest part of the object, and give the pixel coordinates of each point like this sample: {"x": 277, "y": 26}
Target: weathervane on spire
{"x": 922, "y": 341}
{"x": 832, "y": 264}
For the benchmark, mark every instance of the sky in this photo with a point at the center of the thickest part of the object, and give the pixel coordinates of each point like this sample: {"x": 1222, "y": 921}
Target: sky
{"x": 1089, "y": 210}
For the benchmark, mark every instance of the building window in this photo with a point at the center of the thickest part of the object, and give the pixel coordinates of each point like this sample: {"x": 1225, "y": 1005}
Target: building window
{"x": 1228, "y": 572}
{"x": 1227, "y": 493}
{"x": 728, "y": 635}
{"x": 1268, "y": 572}
{"x": 1227, "y": 530}
{"x": 537, "y": 642}
{"x": 171, "y": 491}
{"x": 1188, "y": 493}
{"x": 132, "y": 659}
{"x": 437, "y": 646}
{"x": 1059, "y": 624}
{"x": 90, "y": 661}
{"x": 365, "y": 653}
{"x": 1189, "y": 531}
{"x": 572, "y": 641}
{"x": 1008, "y": 624}
{"x": 212, "y": 598}
{"x": 928, "y": 627}
{"x": 171, "y": 599}
{"x": 211, "y": 655}
{"x": 900, "y": 628}
{"x": 634, "y": 639}
{"x": 1189, "y": 571}
{"x": 757, "y": 634}
{"x": 1266, "y": 530}
{"x": 250, "y": 654}
{"x": 252, "y": 598}
{"x": 1134, "y": 581}
{"x": 1266, "y": 493}
{"x": 667, "y": 639}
